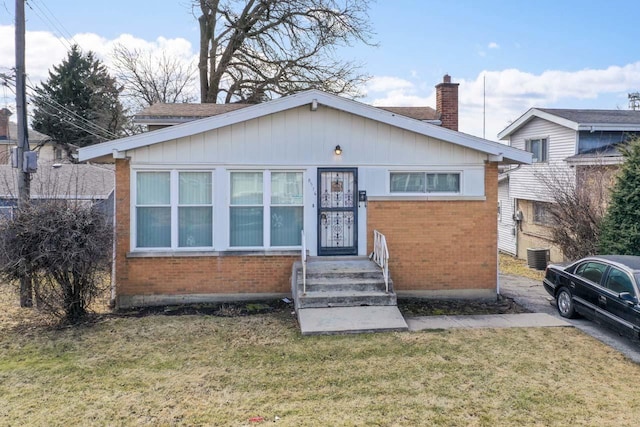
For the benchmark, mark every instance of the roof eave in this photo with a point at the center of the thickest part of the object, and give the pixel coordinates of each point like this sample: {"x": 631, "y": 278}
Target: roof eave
{"x": 593, "y": 127}
{"x": 530, "y": 115}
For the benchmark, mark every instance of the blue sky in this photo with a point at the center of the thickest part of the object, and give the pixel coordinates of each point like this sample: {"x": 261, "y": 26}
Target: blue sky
{"x": 562, "y": 54}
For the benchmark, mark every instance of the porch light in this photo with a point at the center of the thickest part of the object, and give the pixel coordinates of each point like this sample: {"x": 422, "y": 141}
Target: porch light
{"x": 337, "y": 150}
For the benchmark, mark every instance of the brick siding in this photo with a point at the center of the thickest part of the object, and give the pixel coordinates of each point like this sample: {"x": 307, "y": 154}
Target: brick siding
{"x": 440, "y": 245}
{"x": 434, "y": 245}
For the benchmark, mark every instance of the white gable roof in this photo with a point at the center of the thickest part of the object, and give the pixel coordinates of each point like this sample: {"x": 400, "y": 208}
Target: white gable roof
{"x": 497, "y": 151}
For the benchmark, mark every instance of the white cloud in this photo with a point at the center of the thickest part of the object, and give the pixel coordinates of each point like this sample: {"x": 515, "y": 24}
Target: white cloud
{"x": 44, "y": 50}
{"x": 493, "y": 45}
{"x": 387, "y": 83}
{"x": 511, "y": 92}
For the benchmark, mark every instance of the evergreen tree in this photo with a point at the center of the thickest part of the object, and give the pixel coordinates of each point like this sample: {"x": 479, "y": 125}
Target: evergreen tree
{"x": 620, "y": 232}
{"x": 79, "y": 103}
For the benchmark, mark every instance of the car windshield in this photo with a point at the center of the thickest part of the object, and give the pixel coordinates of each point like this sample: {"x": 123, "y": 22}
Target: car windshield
{"x": 637, "y": 277}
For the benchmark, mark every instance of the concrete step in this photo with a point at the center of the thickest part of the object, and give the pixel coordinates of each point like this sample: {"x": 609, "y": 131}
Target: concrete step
{"x": 345, "y": 299}
{"x": 323, "y": 284}
{"x": 338, "y": 275}
{"x": 341, "y": 320}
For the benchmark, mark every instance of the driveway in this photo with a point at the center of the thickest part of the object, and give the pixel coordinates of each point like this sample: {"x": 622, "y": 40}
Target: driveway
{"x": 531, "y": 295}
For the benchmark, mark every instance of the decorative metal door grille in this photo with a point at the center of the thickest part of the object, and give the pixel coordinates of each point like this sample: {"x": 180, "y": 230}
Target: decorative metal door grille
{"x": 337, "y": 212}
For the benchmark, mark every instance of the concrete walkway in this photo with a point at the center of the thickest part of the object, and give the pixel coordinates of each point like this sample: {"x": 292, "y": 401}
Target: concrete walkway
{"x": 528, "y": 293}
{"x": 521, "y": 320}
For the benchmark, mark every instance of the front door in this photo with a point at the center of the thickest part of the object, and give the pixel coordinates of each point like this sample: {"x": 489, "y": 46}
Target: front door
{"x": 338, "y": 211}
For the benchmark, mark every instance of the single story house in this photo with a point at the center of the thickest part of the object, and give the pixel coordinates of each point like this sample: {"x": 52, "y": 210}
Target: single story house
{"x": 214, "y": 208}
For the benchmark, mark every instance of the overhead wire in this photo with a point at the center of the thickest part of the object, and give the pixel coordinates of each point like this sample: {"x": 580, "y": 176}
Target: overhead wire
{"x": 42, "y": 11}
{"x": 65, "y": 114}
{"x": 58, "y": 30}
{"x": 92, "y": 127}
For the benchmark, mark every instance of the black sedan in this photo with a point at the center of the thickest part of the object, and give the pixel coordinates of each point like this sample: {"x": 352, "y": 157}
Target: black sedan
{"x": 603, "y": 288}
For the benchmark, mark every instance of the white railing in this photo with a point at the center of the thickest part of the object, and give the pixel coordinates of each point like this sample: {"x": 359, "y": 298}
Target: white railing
{"x": 380, "y": 255}
{"x": 304, "y": 263}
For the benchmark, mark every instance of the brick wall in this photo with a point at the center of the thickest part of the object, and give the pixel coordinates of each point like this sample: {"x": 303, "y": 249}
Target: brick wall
{"x": 185, "y": 275}
{"x": 434, "y": 245}
{"x": 447, "y": 103}
{"x": 440, "y": 245}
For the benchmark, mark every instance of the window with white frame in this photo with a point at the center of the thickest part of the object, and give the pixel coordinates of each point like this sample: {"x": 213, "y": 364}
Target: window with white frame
{"x": 266, "y": 208}
{"x": 425, "y": 182}
{"x": 174, "y": 209}
{"x": 286, "y": 208}
{"x": 246, "y": 215}
{"x": 539, "y": 148}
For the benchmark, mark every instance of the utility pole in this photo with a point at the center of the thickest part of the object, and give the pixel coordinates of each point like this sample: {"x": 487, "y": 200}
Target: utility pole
{"x": 24, "y": 178}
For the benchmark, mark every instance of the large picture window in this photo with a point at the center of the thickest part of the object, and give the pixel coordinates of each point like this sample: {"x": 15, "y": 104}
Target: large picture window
{"x": 174, "y": 209}
{"x": 425, "y": 182}
{"x": 266, "y": 208}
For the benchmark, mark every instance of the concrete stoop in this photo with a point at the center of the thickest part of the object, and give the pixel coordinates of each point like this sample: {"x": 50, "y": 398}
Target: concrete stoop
{"x": 344, "y": 295}
{"x": 350, "y": 320}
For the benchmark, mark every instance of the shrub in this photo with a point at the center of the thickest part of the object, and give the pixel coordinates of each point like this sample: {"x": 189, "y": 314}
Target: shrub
{"x": 65, "y": 247}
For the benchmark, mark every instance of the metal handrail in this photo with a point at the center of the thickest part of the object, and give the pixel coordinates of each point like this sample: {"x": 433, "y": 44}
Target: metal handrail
{"x": 304, "y": 263}
{"x": 380, "y": 255}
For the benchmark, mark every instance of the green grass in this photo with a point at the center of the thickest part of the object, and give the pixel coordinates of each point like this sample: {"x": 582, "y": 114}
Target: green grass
{"x": 206, "y": 370}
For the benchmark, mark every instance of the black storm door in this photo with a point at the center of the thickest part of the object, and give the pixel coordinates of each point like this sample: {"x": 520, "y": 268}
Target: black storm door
{"x": 338, "y": 211}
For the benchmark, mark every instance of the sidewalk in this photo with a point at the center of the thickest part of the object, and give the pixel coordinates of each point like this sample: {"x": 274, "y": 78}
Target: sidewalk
{"x": 528, "y": 293}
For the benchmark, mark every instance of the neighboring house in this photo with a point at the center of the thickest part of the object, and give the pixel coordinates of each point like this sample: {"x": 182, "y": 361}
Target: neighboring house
{"x": 566, "y": 143}
{"x": 56, "y": 177}
{"x": 159, "y": 115}
{"x": 214, "y": 208}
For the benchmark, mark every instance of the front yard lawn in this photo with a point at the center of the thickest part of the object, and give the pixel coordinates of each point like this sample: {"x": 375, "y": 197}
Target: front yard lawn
{"x": 208, "y": 370}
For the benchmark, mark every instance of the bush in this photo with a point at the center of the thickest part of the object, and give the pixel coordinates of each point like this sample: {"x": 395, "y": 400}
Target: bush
{"x": 620, "y": 232}
{"x": 65, "y": 247}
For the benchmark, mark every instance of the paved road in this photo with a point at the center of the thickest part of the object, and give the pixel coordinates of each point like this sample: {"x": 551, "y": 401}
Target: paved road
{"x": 531, "y": 295}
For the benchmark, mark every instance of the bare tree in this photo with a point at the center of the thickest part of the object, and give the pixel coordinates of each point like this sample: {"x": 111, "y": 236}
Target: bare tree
{"x": 149, "y": 78}
{"x": 579, "y": 201}
{"x": 252, "y": 50}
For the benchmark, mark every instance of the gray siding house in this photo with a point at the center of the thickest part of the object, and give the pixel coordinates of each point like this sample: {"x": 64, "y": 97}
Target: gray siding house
{"x": 564, "y": 142}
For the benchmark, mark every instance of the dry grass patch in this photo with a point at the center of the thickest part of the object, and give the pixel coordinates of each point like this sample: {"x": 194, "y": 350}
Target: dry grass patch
{"x": 207, "y": 370}
{"x": 518, "y": 267}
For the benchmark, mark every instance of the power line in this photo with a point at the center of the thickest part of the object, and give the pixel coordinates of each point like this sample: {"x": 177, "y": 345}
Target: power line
{"x": 72, "y": 113}
{"x": 59, "y": 30}
{"x": 63, "y": 113}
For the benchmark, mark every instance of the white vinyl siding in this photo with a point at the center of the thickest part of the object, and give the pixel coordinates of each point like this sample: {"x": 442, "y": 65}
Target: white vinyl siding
{"x": 506, "y": 225}
{"x": 525, "y": 182}
{"x": 303, "y": 137}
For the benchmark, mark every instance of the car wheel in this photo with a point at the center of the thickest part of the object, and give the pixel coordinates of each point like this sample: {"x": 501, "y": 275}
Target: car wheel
{"x": 564, "y": 301}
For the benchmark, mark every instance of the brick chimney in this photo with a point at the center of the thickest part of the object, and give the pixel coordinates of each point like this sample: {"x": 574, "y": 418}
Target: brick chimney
{"x": 4, "y": 124}
{"x": 447, "y": 102}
